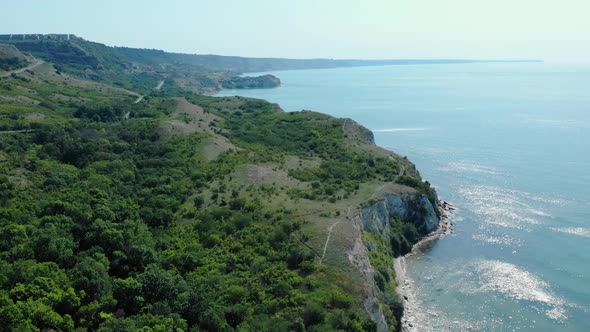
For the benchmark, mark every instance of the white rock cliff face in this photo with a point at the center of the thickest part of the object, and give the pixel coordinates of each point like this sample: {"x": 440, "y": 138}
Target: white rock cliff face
{"x": 375, "y": 219}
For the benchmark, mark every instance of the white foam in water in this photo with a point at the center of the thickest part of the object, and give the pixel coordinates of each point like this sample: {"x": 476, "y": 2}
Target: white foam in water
{"x": 584, "y": 232}
{"x": 395, "y": 130}
{"x": 516, "y": 283}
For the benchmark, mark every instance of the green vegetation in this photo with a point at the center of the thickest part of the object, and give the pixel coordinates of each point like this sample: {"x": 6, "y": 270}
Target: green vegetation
{"x": 380, "y": 253}
{"x": 248, "y": 82}
{"x": 180, "y": 212}
{"x": 59, "y": 52}
{"x": 8, "y": 64}
{"x": 11, "y": 58}
{"x": 93, "y": 237}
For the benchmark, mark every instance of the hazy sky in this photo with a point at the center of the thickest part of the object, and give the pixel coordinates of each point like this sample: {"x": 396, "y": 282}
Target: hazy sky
{"x": 377, "y": 29}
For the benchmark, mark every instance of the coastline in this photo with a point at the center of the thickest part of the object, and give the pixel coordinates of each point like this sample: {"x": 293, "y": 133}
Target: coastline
{"x": 405, "y": 287}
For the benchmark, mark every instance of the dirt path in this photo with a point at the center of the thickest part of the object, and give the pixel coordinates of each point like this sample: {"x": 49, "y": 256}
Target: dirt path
{"x": 330, "y": 230}
{"x": 348, "y": 217}
{"x": 34, "y": 65}
{"x": 140, "y": 97}
{"x": 376, "y": 192}
{"x": 138, "y": 100}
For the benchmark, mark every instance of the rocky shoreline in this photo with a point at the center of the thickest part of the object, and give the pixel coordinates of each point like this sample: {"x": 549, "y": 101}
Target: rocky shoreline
{"x": 405, "y": 287}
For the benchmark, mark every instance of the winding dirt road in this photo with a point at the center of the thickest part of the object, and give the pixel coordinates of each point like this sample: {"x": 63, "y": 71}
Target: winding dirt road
{"x": 36, "y": 63}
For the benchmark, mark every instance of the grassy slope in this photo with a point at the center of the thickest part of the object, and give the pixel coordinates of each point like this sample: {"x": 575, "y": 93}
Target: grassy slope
{"x": 213, "y": 187}
{"x": 9, "y": 51}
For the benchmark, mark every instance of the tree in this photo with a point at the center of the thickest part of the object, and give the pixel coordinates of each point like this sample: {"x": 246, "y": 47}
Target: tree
{"x": 90, "y": 275}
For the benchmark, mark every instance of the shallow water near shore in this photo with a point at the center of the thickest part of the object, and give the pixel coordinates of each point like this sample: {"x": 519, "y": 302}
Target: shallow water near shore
{"x": 509, "y": 146}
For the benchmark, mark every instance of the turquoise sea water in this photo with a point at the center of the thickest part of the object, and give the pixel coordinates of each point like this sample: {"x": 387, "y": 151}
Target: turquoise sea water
{"x": 509, "y": 146}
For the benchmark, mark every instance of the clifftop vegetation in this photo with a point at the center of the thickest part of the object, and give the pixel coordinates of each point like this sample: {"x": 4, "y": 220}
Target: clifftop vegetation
{"x": 178, "y": 211}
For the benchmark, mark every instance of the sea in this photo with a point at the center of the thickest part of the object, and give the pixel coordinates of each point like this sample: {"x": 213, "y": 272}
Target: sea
{"x": 508, "y": 144}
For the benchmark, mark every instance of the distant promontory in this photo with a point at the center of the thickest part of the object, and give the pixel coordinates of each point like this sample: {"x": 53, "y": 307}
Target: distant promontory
{"x": 251, "y": 82}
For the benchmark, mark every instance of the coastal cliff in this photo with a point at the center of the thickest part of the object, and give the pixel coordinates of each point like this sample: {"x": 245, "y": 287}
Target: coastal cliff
{"x": 386, "y": 229}
{"x": 390, "y": 224}
{"x": 204, "y": 212}
{"x": 413, "y": 209}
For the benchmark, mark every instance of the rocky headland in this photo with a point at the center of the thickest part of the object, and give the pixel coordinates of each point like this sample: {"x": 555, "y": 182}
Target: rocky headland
{"x": 251, "y": 82}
